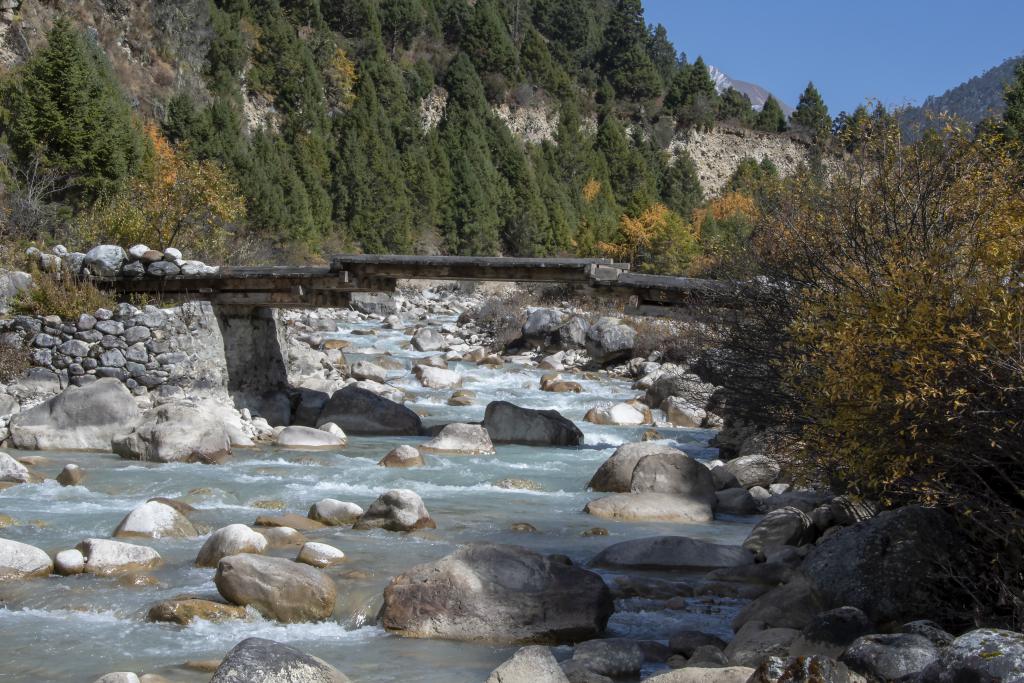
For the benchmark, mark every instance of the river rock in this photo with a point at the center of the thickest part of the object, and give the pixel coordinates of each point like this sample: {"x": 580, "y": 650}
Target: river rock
{"x": 79, "y": 418}
{"x": 831, "y": 632}
{"x": 364, "y": 369}
{"x": 540, "y": 325}
{"x": 609, "y": 340}
{"x": 619, "y": 414}
{"x": 509, "y": 423}
{"x": 681, "y": 413}
{"x": 105, "y": 260}
{"x": 71, "y": 475}
{"x": 13, "y": 471}
{"x": 651, "y": 507}
{"x": 460, "y": 439}
{"x": 462, "y": 397}
{"x": 176, "y": 433}
{"x": 183, "y": 611}
{"x": 426, "y": 339}
{"x": 687, "y": 387}
{"x": 308, "y": 438}
{"x": 69, "y": 562}
{"x": 754, "y": 470}
{"x": 727, "y": 674}
{"x": 751, "y": 644}
{"x": 497, "y": 593}
{"x": 614, "y": 657}
{"x": 437, "y": 378}
{"x": 672, "y": 553}
{"x": 890, "y": 656}
{"x": 359, "y": 411}
{"x": 686, "y": 642}
{"x": 104, "y": 556}
{"x": 615, "y": 475}
{"x": 847, "y": 510}
{"x": 256, "y": 660}
{"x": 530, "y": 664}
{"x": 282, "y": 536}
{"x": 808, "y": 669}
{"x": 782, "y": 527}
{"x": 233, "y": 539}
{"x": 22, "y": 561}
{"x": 118, "y": 677}
{"x": 673, "y": 472}
{"x": 334, "y": 512}
{"x": 736, "y": 501}
{"x": 402, "y": 456}
{"x": 277, "y": 588}
{"x": 155, "y": 520}
{"x": 290, "y": 520}
{"x": 985, "y": 654}
{"x": 319, "y": 555}
{"x": 396, "y": 510}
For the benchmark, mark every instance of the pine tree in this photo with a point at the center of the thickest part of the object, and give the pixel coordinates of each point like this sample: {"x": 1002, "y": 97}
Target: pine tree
{"x": 771, "y": 118}
{"x": 624, "y": 56}
{"x": 811, "y": 115}
{"x": 736, "y": 107}
{"x": 679, "y": 186}
{"x": 663, "y": 54}
{"x": 1013, "y": 117}
{"x": 65, "y": 108}
{"x": 692, "y": 98}
{"x": 486, "y": 40}
{"x": 540, "y": 68}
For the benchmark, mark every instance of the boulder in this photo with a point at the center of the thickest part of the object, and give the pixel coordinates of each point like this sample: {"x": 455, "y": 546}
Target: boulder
{"x": 176, "y": 433}
{"x": 685, "y": 643}
{"x": 681, "y": 413}
{"x": 785, "y": 526}
{"x": 577, "y": 673}
{"x": 672, "y": 553}
{"x": 930, "y": 630}
{"x": 230, "y": 540}
{"x": 334, "y": 512}
{"x": 437, "y": 378}
{"x": 155, "y": 520}
{"x": 509, "y": 423}
{"x": 22, "y": 561}
{"x": 563, "y": 387}
{"x": 754, "y": 470}
{"x": 460, "y": 439}
{"x": 809, "y": 669}
{"x": 364, "y": 369}
{"x": 426, "y": 339}
{"x": 118, "y": 677}
{"x": 614, "y": 657}
{"x": 793, "y": 605}
{"x": 289, "y": 520}
{"x": 847, "y": 510}
{"x": 831, "y": 632}
{"x": 497, "y": 593}
{"x": 727, "y": 674}
{"x": 530, "y": 664}
{"x": 890, "y": 656}
{"x": 890, "y": 566}
{"x": 183, "y": 611}
{"x": 736, "y": 501}
{"x": 103, "y": 556}
{"x": 359, "y": 411}
{"x": 69, "y": 562}
{"x": 308, "y": 438}
{"x": 78, "y": 419}
{"x": 985, "y": 654}
{"x": 402, "y": 456}
{"x": 13, "y": 471}
{"x": 751, "y": 645}
{"x": 256, "y": 660}
{"x": 105, "y": 260}
{"x": 71, "y": 475}
{"x": 540, "y": 326}
{"x": 619, "y": 414}
{"x": 609, "y": 340}
{"x": 277, "y": 588}
{"x": 686, "y": 386}
{"x": 319, "y": 554}
{"x": 651, "y": 507}
{"x": 396, "y": 510}
{"x": 673, "y": 472}
{"x": 615, "y": 475}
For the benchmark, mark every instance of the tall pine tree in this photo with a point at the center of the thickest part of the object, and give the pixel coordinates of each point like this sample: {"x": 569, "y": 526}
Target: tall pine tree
{"x": 811, "y": 115}
{"x": 771, "y": 118}
{"x": 624, "y": 56}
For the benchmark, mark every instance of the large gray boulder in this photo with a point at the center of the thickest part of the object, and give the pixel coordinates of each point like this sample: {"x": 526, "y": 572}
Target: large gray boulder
{"x": 105, "y": 260}
{"x": 426, "y": 339}
{"x": 22, "y": 561}
{"x": 176, "y": 433}
{"x": 509, "y": 423}
{"x": 655, "y": 468}
{"x": 890, "y": 656}
{"x": 684, "y": 385}
{"x": 233, "y": 539}
{"x": 540, "y": 327}
{"x": 985, "y": 655}
{"x": 256, "y": 660}
{"x": 609, "y": 340}
{"x": 497, "y": 593}
{"x": 785, "y": 526}
{"x": 891, "y": 566}
{"x": 306, "y": 438}
{"x": 276, "y": 588}
{"x": 85, "y": 418}
{"x": 154, "y": 519}
{"x": 396, "y": 510}
{"x": 672, "y": 553}
{"x": 358, "y": 411}
{"x": 651, "y": 507}
{"x": 615, "y": 475}
{"x": 460, "y": 439}
{"x": 612, "y": 657}
{"x": 13, "y": 471}
{"x": 530, "y": 664}
{"x": 754, "y": 470}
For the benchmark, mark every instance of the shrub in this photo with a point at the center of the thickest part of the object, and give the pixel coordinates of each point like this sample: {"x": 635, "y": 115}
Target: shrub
{"x": 62, "y": 294}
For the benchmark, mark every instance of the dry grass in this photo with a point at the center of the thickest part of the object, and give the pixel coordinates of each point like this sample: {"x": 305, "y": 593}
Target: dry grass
{"x": 61, "y": 294}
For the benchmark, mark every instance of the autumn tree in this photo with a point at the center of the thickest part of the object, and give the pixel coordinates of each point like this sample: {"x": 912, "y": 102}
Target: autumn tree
{"x": 654, "y": 240}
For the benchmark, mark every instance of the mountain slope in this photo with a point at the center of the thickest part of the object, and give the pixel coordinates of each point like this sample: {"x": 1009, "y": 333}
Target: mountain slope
{"x": 757, "y": 94}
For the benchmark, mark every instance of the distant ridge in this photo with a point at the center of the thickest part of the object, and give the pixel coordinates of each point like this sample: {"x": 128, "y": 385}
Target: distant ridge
{"x": 758, "y": 95}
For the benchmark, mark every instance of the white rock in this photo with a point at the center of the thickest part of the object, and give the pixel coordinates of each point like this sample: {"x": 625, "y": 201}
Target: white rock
{"x": 230, "y": 540}
{"x": 461, "y": 439}
{"x": 69, "y": 562}
{"x": 335, "y": 512}
{"x": 103, "y": 556}
{"x": 621, "y": 414}
{"x": 437, "y": 378}
{"x": 172, "y": 254}
{"x": 22, "y": 561}
{"x": 136, "y": 251}
{"x": 319, "y": 554}
{"x": 332, "y": 428}
{"x": 12, "y": 470}
{"x": 154, "y": 519}
{"x": 308, "y": 437}
{"x": 682, "y": 413}
{"x": 118, "y": 677}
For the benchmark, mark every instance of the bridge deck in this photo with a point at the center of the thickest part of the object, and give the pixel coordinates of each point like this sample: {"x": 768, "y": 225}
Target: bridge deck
{"x": 496, "y": 268}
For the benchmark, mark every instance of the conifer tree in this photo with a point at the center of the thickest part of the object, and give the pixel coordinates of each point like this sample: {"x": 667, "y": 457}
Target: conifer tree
{"x": 663, "y": 54}
{"x": 771, "y": 117}
{"x": 1013, "y": 117}
{"x": 811, "y": 114}
{"x": 486, "y": 40}
{"x": 736, "y": 107}
{"x": 65, "y": 108}
{"x": 626, "y": 62}
{"x": 692, "y": 98}
{"x": 679, "y": 186}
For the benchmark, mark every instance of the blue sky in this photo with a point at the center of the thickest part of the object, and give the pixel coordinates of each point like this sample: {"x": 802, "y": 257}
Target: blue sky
{"x": 896, "y": 51}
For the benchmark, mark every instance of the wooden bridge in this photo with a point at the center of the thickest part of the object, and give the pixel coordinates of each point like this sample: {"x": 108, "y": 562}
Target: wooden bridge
{"x": 334, "y": 285}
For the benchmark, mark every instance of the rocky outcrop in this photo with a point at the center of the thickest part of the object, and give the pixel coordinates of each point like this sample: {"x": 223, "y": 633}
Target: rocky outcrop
{"x": 497, "y": 593}
{"x": 396, "y": 510}
{"x": 257, "y": 660}
{"x": 176, "y": 433}
{"x": 278, "y": 589}
{"x": 358, "y": 411}
{"x": 509, "y": 423}
{"x": 79, "y": 418}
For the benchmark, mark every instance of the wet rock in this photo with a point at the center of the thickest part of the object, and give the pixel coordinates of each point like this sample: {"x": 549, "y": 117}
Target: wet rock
{"x": 831, "y": 632}
{"x": 359, "y": 411}
{"x": 437, "y": 378}
{"x": 155, "y": 520}
{"x": 256, "y": 660}
{"x": 615, "y": 475}
{"x": 651, "y": 507}
{"x": 438, "y": 361}
{"x": 577, "y": 673}
{"x": 282, "y": 536}
{"x": 308, "y": 438}
{"x": 508, "y": 423}
{"x": 426, "y": 339}
{"x": 396, "y": 510}
{"x": 69, "y": 562}
{"x": 889, "y": 656}
{"x": 364, "y": 369}
{"x": 176, "y": 433}
{"x": 619, "y": 414}
{"x": 523, "y": 527}
{"x": 460, "y": 439}
{"x": 754, "y": 470}
{"x": 531, "y": 664}
{"x": 672, "y": 553}
{"x": 462, "y": 397}
{"x": 184, "y": 611}
{"x": 233, "y": 539}
{"x": 13, "y": 471}
{"x": 728, "y": 674}
{"x": 104, "y": 557}
{"x": 564, "y": 387}
{"x": 319, "y": 555}
{"x": 402, "y": 456}
{"x": 334, "y": 512}
{"x": 609, "y": 340}
{"x": 736, "y": 501}
{"x": 71, "y": 475}
{"x": 686, "y": 642}
{"x": 497, "y": 593}
{"x": 289, "y": 520}
{"x": 278, "y": 589}
{"x": 982, "y": 655}
{"x": 782, "y": 527}
{"x": 79, "y": 418}
{"x": 631, "y": 586}
{"x": 22, "y": 561}
{"x": 614, "y": 657}
{"x": 520, "y": 484}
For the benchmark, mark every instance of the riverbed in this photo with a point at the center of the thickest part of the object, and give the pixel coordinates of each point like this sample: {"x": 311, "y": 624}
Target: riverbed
{"x": 78, "y": 628}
